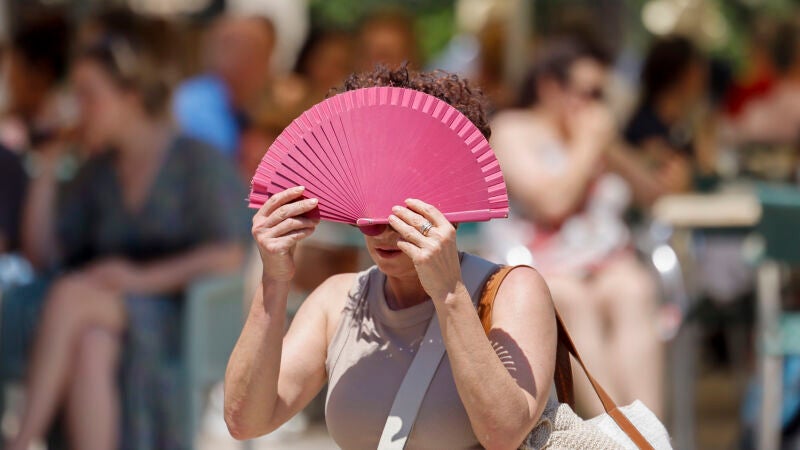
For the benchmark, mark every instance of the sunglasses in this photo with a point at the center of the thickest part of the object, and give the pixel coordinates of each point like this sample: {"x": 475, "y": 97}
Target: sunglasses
{"x": 372, "y": 230}
{"x": 596, "y": 94}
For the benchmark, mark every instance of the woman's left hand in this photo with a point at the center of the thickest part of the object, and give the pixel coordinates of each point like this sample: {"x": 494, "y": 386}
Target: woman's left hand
{"x": 434, "y": 252}
{"x": 117, "y": 274}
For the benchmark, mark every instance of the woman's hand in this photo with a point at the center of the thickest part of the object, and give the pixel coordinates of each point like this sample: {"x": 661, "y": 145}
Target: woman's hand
{"x": 117, "y": 274}
{"x": 434, "y": 253}
{"x": 278, "y": 227}
{"x": 592, "y": 127}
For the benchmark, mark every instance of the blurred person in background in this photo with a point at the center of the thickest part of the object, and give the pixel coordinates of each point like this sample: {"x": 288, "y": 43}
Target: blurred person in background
{"x": 13, "y": 183}
{"x": 35, "y": 66}
{"x": 387, "y": 37}
{"x": 759, "y": 73}
{"x": 149, "y": 211}
{"x": 775, "y": 116}
{"x": 325, "y": 61}
{"x": 567, "y": 208}
{"x": 37, "y": 111}
{"x": 665, "y": 128}
{"x": 217, "y": 106}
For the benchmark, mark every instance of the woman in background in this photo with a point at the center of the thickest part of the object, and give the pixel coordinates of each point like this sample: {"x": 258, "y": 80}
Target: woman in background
{"x": 557, "y": 155}
{"x": 148, "y": 212}
{"x": 664, "y": 126}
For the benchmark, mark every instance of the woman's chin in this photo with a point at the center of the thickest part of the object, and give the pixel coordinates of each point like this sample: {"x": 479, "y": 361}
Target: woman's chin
{"x": 393, "y": 265}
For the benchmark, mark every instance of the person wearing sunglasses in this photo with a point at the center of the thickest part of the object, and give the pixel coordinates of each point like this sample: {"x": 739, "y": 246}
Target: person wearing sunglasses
{"x": 559, "y": 153}
{"x": 360, "y": 332}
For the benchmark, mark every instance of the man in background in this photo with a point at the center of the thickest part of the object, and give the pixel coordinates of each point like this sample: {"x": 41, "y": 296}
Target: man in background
{"x": 216, "y": 106}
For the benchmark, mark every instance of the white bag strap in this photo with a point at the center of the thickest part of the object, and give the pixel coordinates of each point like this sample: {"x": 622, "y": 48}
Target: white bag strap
{"x": 423, "y": 367}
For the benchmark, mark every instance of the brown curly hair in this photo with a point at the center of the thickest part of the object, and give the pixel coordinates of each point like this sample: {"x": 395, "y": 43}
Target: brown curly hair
{"x": 446, "y": 86}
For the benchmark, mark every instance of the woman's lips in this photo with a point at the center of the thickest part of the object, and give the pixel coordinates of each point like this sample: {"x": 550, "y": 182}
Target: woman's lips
{"x": 388, "y": 252}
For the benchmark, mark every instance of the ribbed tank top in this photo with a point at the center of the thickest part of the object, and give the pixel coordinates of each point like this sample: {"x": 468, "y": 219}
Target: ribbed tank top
{"x": 370, "y": 352}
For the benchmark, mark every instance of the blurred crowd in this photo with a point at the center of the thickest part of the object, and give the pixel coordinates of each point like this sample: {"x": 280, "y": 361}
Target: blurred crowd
{"x": 126, "y": 149}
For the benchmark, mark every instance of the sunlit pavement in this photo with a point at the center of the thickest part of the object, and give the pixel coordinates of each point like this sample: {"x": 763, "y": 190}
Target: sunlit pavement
{"x": 314, "y": 438}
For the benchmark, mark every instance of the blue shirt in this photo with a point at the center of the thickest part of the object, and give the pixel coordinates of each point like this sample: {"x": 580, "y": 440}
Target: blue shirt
{"x": 203, "y": 110}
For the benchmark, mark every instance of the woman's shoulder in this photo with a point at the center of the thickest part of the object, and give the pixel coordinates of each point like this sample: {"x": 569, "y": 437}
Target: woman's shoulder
{"x": 522, "y": 290}
{"x": 517, "y": 128}
{"x": 515, "y": 119}
{"x": 333, "y": 295}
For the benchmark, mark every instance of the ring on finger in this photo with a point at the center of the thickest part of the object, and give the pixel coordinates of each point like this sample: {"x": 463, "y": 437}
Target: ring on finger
{"x": 425, "y": 228}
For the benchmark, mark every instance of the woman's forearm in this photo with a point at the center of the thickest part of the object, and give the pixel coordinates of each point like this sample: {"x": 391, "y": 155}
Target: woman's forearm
{"x": 498, "y": 410}
{"x": 174, "y": 273}
{"x": 38, "y": 219}
{"x": 251, "y": 379}
{"x": 571, "y": 186}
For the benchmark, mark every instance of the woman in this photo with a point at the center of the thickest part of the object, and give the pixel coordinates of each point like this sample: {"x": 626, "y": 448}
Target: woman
{"x": 665, "y": 127}
{"x": 474, "y": 399}
{"x": 557, "y": 158}
{"x": 148, "y": 212}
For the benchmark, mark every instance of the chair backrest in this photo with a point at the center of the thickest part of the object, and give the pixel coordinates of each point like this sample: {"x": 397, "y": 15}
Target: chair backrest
{"x": 212, "y": 322}
{"x": 780, "y": 222}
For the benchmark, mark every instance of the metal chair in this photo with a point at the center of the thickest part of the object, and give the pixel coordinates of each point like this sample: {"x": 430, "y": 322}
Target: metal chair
{"x": 778, "y": 331}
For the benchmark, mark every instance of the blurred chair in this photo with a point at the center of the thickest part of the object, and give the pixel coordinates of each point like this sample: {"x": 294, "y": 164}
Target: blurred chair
{"x": 211, "y": 322}
{"x": 778, "y": 330}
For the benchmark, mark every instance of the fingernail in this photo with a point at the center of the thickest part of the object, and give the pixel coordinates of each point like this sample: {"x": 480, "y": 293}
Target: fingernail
{"x": 300, "y": 188}
{"x": 392, "y": 217}
{"x": 395, "y": 208}
{"x": 314, "y": 201}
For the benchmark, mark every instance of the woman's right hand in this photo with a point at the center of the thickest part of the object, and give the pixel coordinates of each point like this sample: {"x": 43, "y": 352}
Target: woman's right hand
{"x": 278, "y": 227}
{"x": 592, "y": 127}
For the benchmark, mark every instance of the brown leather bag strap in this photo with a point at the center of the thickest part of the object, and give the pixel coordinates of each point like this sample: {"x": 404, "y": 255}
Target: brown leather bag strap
{"x": 563, "y": 370}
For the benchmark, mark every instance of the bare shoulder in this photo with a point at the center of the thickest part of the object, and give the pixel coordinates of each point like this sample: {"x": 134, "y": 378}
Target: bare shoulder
{"x": 330, "y": 297}
{"x": 523, "y": 293}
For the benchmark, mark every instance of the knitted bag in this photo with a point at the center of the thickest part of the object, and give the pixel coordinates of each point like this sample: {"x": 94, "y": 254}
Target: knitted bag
{"x": 559, "y": 427}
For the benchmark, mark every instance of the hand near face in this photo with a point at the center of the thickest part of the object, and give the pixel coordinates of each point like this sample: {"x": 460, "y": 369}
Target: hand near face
{"x": 592, "y": 125}
{"x": 435, "y": 255}
{"x": 277, "y": 228}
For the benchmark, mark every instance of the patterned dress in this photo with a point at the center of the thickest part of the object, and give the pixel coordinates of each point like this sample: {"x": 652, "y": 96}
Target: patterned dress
{"x": 196, "y": 198}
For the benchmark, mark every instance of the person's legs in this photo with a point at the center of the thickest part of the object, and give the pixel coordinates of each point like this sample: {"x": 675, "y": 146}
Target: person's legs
{"x": 578, "y": 306}
{"x": 92, "y": 397}
{"x": 628, "y": 295}
{"x": 72, "y": 304}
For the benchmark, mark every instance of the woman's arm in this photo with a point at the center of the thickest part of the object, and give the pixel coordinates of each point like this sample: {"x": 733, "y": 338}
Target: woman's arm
{"x": 504, "y": 384}
{"x": 546, "y": 194}
{"x": 504, "y": 381}
{"x": 38, "y": 231}
{"x": 270, "y": 378}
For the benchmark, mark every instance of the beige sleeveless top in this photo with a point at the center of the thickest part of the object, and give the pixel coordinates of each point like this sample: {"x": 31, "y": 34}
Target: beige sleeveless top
{"x": 368, "y": 357}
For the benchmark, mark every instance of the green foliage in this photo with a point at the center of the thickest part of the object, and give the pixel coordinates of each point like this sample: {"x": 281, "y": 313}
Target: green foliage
{"x": 434, "y": 19}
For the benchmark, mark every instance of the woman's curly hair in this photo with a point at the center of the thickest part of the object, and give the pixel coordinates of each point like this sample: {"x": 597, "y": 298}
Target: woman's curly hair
{"x": 446, "y": 86}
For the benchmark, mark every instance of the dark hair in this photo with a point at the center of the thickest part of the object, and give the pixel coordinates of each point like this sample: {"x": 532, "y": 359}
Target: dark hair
{"x": 43, "y": 42}
{"x": 317, "y": 38}
{"x": 665, "y": 64}
{"x": 555, "y": 61}
{"x": 448, "y": 87}
{"x": 785, "y": 46}
{"x": 135, "y": 60}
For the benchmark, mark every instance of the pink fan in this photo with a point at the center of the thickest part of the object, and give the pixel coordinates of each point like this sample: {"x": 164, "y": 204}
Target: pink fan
{"x": 363, "y": 151}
